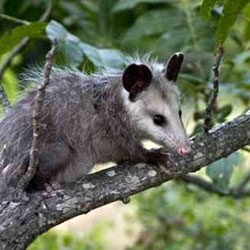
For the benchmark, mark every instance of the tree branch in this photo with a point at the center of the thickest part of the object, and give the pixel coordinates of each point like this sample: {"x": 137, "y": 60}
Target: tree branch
{"x": 234, "y": 192}
{"x": 208, "y": 116}
{"x": 17, "y": 49}
{"x": 39, "y": 214}
{"x": 202, "y": 183}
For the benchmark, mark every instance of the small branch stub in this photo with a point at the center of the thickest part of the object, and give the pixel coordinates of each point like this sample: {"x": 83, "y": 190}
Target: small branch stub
{"x": 208, "y": 123}
{"x": 37, "y": 113}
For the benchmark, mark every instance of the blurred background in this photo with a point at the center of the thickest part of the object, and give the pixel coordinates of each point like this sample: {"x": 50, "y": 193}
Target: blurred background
{"x": 92, "y": 34}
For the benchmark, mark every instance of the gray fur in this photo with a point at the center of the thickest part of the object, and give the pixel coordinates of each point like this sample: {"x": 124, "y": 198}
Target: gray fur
{"x": 86, "y": 119}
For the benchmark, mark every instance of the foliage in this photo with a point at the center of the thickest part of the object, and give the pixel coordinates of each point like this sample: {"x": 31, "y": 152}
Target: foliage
{"x": 75, "y": 50}
{"x": 53, "y": 240}
{"x": 207, "y": 7}
{"x": 231, "y": 9}
{"x": 10, "y": 39}
{"x": 130, "y": 4}
{"x": 176, "y": 219}
{"x": 221, "y": 171}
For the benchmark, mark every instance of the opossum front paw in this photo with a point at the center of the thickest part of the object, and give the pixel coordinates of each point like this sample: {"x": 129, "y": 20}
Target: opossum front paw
{"x": 157, "y": 157}
{"x": 51, "y": 189}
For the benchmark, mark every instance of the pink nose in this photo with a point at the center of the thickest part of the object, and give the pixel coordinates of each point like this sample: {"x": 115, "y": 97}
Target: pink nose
{"x": 184, "y": 150}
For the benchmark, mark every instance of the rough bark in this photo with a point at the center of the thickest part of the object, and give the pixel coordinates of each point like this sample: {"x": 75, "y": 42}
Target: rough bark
{"x": 21, "y": 220}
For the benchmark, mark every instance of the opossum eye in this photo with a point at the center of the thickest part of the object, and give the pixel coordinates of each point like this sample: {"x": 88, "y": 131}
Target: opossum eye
{"x": 180, "y": 113}
{"x": 159, "y": 120}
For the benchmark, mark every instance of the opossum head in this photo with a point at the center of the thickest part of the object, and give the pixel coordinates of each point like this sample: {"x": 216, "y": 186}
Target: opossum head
{"x": 152, "y": 101}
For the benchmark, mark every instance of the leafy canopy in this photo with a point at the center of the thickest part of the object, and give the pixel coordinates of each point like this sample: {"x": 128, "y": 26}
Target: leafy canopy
{"x": 230, "y": 10}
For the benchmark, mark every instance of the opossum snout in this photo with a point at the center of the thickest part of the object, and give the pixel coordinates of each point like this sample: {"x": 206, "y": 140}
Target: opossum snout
{"x": 184, "y": 150}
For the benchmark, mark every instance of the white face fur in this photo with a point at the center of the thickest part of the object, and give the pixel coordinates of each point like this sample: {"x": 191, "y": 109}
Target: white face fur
{"x": 156, "y": 113}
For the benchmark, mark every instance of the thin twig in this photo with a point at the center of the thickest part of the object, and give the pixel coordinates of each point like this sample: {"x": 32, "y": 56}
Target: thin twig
{"x": 37, "y": 113}
{"x": 235, "y": 192}
{"x": 47, "y": 12}
{"x": 208, "y": 117}
{"x": 14, "y": 19}
{"x": 17, "y": 49}
{"x": 202, "y": 183}
{"x": 6, "y": 62}
{"x": 246, "y": 149}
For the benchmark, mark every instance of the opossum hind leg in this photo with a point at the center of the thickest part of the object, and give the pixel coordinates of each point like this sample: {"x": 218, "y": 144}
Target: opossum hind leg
{"x": 76, "y": 169}
{"x": 53, "y": 159}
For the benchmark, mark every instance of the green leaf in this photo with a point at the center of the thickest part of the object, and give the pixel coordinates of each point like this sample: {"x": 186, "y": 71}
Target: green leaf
{"x": 241, "y": 57}
{"x": 103, "y": 57}
{"x": 75, "y": 50}
{"x": 130, "y": 4}
{"x": 191, "y": 78}
{"x": 68, "y": 44}
{"x": 223, "y": 112}
{"x": 10, "y": 84}
{"x": 207, "y": 7}
{"x": 199, "y": 128}
{"x": 246, "y": 12}
{"x": 231, "y": 9}
{"x": 56, "y": 32}
{"x": 154, "y": 22}
{"x": 221, "y": 171}
{"x": 72, "y": 53}
{"x": 172, "y": 41}
{"x": 13, "y": 37}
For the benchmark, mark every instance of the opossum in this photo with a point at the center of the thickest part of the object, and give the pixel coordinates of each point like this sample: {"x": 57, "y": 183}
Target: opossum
{"x": 98, "y": 118}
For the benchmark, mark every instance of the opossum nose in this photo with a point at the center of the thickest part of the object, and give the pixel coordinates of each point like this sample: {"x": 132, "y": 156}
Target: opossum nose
{"x": 184, "y": 150}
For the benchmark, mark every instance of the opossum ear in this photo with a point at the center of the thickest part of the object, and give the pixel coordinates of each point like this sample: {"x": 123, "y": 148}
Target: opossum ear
{"x": 173, "y": 66}
{"x": 136, "y": 78}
